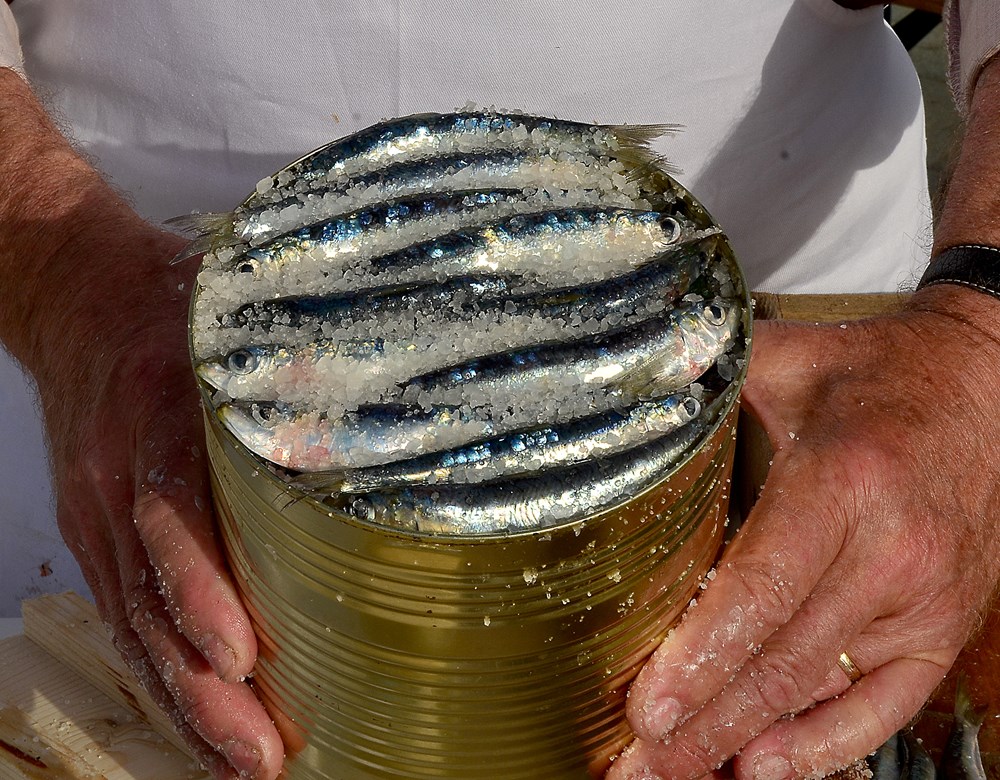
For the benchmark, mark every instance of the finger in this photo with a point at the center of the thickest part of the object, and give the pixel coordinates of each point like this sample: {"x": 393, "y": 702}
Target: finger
{"x": 82, "y": 521}
{"x": 225, "y": 715}
{"x": 631, "y": 764}
{"x": 787, "y": 373}
{"x": 779, "y": 679}
{"x": 173, "y": 517}
{"x": 839, "y": 731}
{"x": 757, "y": 589}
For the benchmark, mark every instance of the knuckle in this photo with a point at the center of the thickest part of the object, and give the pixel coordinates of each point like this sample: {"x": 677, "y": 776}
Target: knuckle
{"x": 142, "y": 606}
{"x": 780, "y": 683}
{"x": 701, "y": 754}
{"x": 766, "y": 588}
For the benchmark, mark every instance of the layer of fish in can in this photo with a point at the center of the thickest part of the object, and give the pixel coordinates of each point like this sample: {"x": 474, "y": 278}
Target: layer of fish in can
{"x": 470, "y": 323}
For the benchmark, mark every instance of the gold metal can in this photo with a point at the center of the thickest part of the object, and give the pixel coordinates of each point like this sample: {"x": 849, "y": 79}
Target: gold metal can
{"x": 394, "y": 655}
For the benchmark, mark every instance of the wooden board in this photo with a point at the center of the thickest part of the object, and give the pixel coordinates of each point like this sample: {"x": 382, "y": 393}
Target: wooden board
{"x": 56, "y": 726}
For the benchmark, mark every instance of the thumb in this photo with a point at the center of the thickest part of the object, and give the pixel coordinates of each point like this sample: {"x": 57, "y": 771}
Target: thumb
{"x": 790, "y": 365}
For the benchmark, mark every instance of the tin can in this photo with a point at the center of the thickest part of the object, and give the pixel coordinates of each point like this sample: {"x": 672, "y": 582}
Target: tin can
{"x": 387, "y": 654}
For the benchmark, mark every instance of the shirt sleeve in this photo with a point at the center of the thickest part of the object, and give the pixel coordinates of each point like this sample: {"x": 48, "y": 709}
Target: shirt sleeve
{"x": 10, "y": 45}
{"x": 973, "y": 28}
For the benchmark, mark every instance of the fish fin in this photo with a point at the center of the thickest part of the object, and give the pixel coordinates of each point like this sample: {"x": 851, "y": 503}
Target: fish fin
{"x": 645, "y": 165}
{"x": 634, "y": 151}
{"x": 642, "y": 135}
{"x": 212, "y": 230}
{"x": 199, "y": 246}
{"x": 201, "y": 223}
{"x": 319, "y": 481}
{"x": 648, "y": 380}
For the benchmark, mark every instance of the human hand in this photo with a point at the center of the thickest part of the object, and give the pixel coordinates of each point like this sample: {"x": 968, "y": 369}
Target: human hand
{"x": 134, "y": 506}
{"x": 874, "y": 535}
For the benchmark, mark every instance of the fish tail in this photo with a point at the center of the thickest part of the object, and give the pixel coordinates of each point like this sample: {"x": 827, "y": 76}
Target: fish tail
{"x": 641, "y": 135}
{"x": 964, "y": 709}
{"x": 320, "y": 481}
{"x": 203, "y": 223}
{"x": 635, "y": 153}
{"x": 646, "y": 165}
{"x": 212, "y": 230}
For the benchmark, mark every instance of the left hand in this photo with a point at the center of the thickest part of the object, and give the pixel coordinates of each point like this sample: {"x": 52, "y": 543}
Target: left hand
{"x": 875, "y": 535}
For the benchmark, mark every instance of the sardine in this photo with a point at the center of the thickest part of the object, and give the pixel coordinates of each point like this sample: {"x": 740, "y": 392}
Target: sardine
{"x": 528, "y": 503}
{"x": 271, "y": 372}
{"x": 397, "y": 309}
{"x": 566, "y": 246}
{"x": 565, "y": 180}
{"x": 430, "y": 135}
{"x": 312, "y": 441}
{"x": 521, "y": 453}
{"x": 586, "y": 375}
{"x": 884, "y": 762}
{"x": 915, "y": 762}
{"x": 439, "y": 332}
{"x": 962, "y": 759}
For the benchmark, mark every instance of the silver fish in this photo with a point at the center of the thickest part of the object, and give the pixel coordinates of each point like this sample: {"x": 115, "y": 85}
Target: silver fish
{"x": 884, "y": 762}
{"x": 565, "y": 180}
{"x": 269, "y": 372}
{"x": 962, "y": 759}
{"x": 594, "y": 307}
{"x": 430, "y": 135}
{"x": 392, "y": 225}
{"x": 586, "y": 375}
{"x": 434, "y": 334}
{"x": 708, "y": 329}
{"x": 528, "y": 503}
{"x": 370, "y": 307}
{"x": 551, "y": 248}
{"x": 915, "y": 762}
{"x": 523, "y": 452}
{"x": 311, "y": 441}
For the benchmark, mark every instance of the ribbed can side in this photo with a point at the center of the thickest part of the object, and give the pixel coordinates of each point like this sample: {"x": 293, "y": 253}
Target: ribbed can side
{"x": 393, "y": 655}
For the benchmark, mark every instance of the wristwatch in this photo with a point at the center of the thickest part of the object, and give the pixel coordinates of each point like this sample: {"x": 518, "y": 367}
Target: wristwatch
{"x": 970, "y": 265}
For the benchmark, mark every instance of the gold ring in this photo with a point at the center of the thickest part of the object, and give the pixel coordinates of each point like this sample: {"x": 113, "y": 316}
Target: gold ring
{"x": 849, "y": 668}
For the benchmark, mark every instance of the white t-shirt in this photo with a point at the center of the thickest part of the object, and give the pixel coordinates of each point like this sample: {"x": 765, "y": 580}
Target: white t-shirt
{"x": 802, "y": 129}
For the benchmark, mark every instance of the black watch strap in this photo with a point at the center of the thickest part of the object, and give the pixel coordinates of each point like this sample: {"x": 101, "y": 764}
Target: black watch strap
{"x": 970, "y": 265}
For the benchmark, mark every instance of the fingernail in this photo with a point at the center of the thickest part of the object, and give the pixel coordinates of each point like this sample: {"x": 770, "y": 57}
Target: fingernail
{"x": 218, "y": 653}
{"x": 772, "y": 768}
{"x": 659, "y": 717}
{"x": 244, "y": 758}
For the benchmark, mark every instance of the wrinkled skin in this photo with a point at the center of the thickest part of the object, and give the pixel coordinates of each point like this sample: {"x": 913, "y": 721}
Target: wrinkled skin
{"x": 134, "y": 506}
{"x": 874, "y": 534}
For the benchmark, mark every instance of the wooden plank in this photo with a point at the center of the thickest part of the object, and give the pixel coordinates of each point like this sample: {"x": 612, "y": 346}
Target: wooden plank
{"x": 825, "y": 308}
{"x": 68, "y": 627}
{"x": 56, "y": 726}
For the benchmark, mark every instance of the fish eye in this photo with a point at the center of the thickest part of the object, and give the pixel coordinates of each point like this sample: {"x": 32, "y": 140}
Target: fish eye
{"x": 363, "y": 509}
{"x": 691, "y": 407}
{"x": 242, "y": 361}
{"x": 672, "y": 228}
{"x": 262, "y": 413}
{"x": 714, "y": 314}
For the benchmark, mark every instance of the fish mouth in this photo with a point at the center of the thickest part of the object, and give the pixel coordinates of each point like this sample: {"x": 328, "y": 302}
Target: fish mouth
{"x": 249, "y": 431}
{"x": 213, "y": 374}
